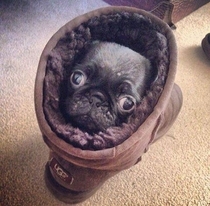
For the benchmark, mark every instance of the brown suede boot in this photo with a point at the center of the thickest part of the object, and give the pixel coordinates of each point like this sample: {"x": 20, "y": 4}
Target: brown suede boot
{"x": 74, "y": 174}
{"x": 205, "y": 43}
{"x": 170, "y": 113}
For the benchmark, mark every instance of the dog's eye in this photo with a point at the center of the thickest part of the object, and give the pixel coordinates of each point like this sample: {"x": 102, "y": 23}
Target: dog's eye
{"x": 78, "y": 79}
{"x": 127, "y": 103}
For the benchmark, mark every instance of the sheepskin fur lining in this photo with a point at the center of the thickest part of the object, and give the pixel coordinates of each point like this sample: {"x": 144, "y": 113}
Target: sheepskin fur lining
{"x": 133, "y": 30}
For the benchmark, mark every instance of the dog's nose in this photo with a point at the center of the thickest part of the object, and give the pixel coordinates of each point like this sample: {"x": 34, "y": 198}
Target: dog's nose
{"x": 97, "y": 98}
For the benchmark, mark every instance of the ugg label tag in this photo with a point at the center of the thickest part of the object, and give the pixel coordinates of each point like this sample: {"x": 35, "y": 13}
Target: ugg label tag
{"x": 60, "y": 172}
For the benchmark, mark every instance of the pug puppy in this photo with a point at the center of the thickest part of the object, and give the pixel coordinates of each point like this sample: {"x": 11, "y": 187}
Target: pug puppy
{"x": 105, "y": 88}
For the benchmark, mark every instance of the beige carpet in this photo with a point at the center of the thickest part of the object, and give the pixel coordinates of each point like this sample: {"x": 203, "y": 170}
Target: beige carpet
{"x": 176, "y": 169}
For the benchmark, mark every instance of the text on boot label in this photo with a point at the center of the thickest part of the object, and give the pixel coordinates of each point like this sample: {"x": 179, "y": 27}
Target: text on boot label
{"x": 60, "y": 171}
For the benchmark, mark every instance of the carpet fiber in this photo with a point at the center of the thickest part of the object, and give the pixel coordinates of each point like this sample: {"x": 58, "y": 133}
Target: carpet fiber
{"x": 175, "y": 171}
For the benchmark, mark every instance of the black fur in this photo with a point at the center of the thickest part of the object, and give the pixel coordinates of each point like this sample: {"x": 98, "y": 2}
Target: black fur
{"x": 113, "y": 74}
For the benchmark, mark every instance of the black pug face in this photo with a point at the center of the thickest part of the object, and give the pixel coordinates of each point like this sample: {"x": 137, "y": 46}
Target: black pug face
{"x": 105, "y": 88}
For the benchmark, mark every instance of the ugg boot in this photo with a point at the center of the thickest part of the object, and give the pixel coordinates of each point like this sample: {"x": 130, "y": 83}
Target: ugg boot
{"x": 205, "y": 44}
{"x": 74, "y": 174}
